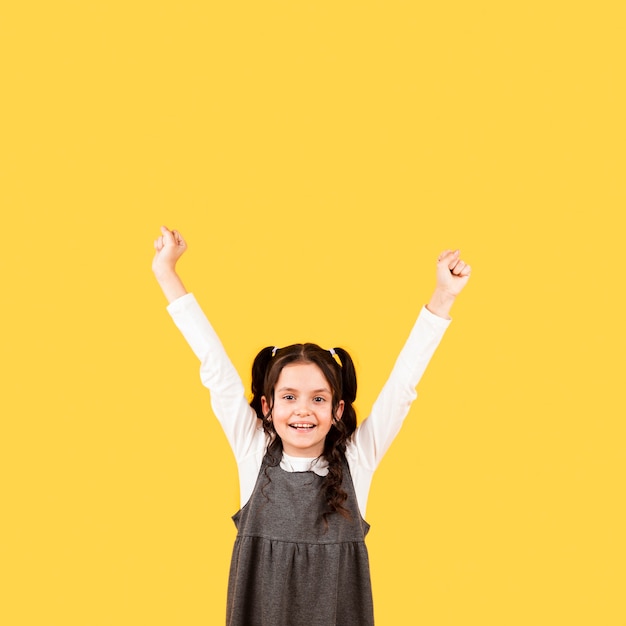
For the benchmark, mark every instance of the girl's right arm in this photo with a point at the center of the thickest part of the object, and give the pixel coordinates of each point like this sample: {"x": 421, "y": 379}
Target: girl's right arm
{"x": 170, "y": 246}
{"x": 217, "y": 373}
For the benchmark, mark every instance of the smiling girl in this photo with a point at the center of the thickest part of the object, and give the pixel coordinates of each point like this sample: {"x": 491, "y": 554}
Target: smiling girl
{"x": 305, "y": 468}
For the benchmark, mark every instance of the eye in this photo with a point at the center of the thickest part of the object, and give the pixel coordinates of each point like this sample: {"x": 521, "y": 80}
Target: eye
{"x": 319, "y": 399}
{"x": 289, "y": 396}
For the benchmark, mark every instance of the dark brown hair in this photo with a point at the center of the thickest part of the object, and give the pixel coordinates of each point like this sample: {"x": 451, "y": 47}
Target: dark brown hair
{"x": 266, "y": 369}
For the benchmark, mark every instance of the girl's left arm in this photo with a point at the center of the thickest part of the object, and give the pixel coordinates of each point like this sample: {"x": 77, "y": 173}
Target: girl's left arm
{"x": 376, "y": 433}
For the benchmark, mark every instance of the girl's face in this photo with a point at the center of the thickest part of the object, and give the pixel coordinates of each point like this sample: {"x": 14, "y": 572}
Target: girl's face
{"x": 303, "y": 409}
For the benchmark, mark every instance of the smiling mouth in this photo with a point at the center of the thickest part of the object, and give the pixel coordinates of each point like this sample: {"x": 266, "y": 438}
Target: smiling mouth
{"x": 302, "y": 426}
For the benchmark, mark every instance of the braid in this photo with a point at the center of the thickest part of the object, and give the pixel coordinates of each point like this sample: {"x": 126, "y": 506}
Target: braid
{"x": 334, "y": 453}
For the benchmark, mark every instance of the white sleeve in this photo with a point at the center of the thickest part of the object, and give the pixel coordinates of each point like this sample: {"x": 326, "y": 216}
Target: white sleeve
{"x": 218, "y": 374}
{"x": 376, "y": 433}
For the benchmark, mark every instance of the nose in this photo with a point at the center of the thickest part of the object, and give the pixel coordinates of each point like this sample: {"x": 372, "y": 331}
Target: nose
{"x": 302, "y": 411}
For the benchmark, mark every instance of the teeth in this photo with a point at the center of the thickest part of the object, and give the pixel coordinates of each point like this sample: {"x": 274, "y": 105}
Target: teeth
{"x": 301, "y": 425}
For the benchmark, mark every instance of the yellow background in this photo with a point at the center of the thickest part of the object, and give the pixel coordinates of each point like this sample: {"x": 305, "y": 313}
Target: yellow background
{"x": 317, "y": 156}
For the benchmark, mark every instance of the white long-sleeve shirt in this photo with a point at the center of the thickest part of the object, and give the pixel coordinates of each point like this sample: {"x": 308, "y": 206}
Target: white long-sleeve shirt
{"x": 244, "y": 431}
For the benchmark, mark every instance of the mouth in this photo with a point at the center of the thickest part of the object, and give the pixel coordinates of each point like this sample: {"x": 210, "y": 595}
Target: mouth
{"x": 300, "y": 426}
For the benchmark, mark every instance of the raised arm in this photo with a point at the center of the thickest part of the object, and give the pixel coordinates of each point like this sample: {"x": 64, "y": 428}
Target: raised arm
{"x": 217, "y": 373}
{"x": 452, "y": 275}
{"x": 375, "y": 435}
{"x": 169, "y": 247}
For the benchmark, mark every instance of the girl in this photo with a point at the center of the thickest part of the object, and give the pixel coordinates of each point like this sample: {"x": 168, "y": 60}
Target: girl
{"x": 304, "y": 467}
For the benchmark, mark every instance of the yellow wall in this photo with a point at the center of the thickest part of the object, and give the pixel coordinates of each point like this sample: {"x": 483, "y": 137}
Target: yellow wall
{"x": 317, "y": 156}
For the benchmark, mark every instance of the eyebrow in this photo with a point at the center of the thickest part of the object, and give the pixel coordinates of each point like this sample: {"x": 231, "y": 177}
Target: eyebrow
{"x": 323, "y": 390}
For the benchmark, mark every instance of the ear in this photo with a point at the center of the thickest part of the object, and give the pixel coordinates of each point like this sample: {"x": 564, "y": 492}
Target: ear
{"x": 265, "y": 407}
{"x": 339, "y": 411}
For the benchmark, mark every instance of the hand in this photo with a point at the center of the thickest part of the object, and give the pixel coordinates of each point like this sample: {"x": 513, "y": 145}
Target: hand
{"x": 452, "y": 272}
{"x": 452, "y": 276}
{"x": 169, "y": 247}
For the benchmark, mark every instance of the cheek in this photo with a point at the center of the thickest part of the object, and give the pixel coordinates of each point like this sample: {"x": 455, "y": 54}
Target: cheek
{"x": 329, "y": 420}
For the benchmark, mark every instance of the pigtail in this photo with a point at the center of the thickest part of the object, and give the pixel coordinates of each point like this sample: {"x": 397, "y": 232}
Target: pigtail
{"x": 348, "y": 389}
{"x": 259, "y": 370}
{"x": 338, "y": 437}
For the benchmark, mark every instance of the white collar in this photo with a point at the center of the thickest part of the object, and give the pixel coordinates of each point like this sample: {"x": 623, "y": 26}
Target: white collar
{"x": 319, "y": 465}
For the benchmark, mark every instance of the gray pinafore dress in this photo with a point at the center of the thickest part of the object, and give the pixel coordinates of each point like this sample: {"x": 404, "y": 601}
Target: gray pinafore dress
{"x": 288, "y": 568}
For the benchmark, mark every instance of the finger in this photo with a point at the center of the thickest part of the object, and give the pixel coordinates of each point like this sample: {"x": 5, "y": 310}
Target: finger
{"x": 167, "y": 236}
{"x": 467, "y": 270}
{"x": 449, "y": 257}
{"x": 452, "y": 259}
{"x": 452, "y": 265}
{"x": 178, "y": 238}
{"x": 443, "y": 255}
{"x": 458, "y": 267}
